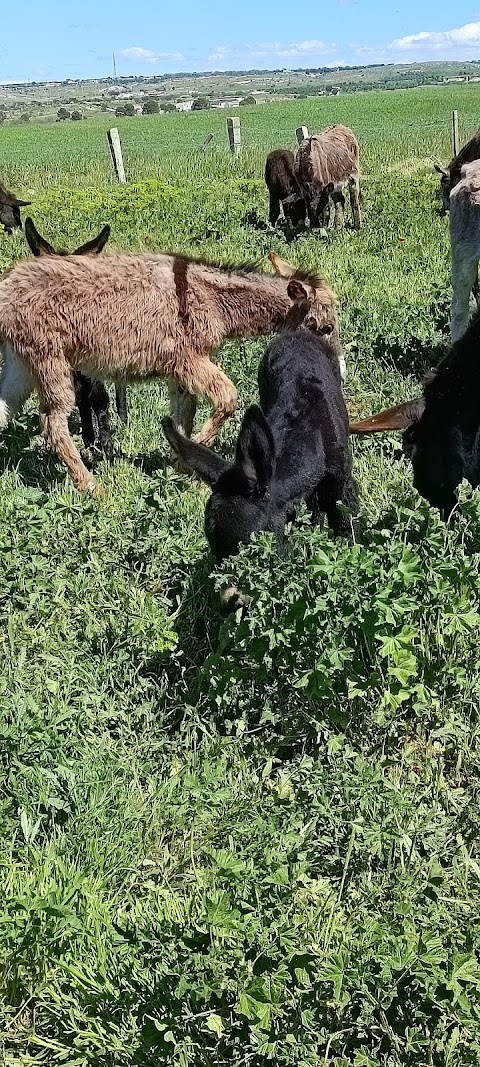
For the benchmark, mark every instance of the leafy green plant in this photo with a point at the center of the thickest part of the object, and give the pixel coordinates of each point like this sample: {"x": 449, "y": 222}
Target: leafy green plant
{"x": 252, "y": 839}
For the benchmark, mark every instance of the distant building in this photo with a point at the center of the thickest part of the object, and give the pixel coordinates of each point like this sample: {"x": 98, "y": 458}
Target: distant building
{"x": 184, "y": 105}
{"x": 228, "y": 103}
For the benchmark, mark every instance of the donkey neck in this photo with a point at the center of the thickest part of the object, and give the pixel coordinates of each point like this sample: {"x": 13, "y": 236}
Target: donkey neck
{"x": 252, "y": 305}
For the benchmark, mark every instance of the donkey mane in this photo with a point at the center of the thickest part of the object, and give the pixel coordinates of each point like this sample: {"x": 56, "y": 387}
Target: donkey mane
{"x": 247, "y": 267}
{"x": 228, "y": 267}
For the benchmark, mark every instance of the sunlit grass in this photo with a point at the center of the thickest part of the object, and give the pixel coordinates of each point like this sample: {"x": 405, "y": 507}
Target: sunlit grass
{"x": 256, "y": 840}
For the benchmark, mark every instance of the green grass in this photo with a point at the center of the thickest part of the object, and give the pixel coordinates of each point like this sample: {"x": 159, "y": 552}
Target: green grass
{"x": 244, "y": 840}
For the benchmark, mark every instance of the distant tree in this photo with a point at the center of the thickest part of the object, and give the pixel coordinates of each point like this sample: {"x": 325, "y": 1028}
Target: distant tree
{"x": 129, "y": 109}
{"x": 201, "y": 103}
{"x": 104, "y": 106}
{"x": 3, "y": 115}
{"x": 24, "y": 117}
{"x": 166, "y": 106}
{"x": 76, "y": 116}
{"x": 62, "y": 114}
{"x": 150, "y": 106}
{"x": 247, "y": 100}
{"x": 120, "y": 111}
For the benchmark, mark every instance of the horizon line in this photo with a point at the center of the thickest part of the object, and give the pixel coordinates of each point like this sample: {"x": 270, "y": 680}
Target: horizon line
{"x": 323, "y": 68}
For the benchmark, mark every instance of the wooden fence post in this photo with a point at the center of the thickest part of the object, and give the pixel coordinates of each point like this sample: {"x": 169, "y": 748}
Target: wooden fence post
{"x": 302, "y": 133}
{"x": 455, "y": 132}
{"x": 234, "y": 136}
{"x": 116, "y": 150}
{"x": 208, "y": 140}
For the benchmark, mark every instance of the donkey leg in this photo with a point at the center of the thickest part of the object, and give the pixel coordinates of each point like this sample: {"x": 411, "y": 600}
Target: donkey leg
{"x": 354, "y": 191}
{"x": 16, "y": 384}
{"x": 334, "y": 492}
{"x": 339, "y": 202}
{"x": 274, "y": 208}
{"x": 210, "y": 381}
{"x": 464, "y": 274}
{"x": 183, "y": 405}
{"x": 100, "y": 404}
{"x": 56, "y": 402}
{"x": 121, "y": 402}
{"x": 83, "y": 387}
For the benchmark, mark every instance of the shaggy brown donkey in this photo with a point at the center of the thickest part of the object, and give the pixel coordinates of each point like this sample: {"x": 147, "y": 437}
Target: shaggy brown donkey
{"x": 128, "y": 318}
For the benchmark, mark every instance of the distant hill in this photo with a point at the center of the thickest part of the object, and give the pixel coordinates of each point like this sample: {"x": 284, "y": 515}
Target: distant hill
{"x": 42, "y": 100}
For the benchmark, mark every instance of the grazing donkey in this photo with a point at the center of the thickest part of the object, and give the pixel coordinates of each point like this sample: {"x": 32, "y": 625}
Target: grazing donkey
{"x": 327, "y": 163}
{"x": 10, "y": 209}
{"x": 91, "y": 396}
{"x": 295, "y": 445}
{"x": 451, "y": 175}
{"x": 284, "y": 188}
{"x": 127, "y": 317}
{"x": 464, "y": 223}
{"x": 441, "y": 429}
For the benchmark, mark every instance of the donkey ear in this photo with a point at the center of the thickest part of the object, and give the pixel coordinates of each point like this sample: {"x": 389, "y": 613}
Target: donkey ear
{"x": 298, "y": 292}
{"x": 96, "y": 245}
{"x": 255, "y": 455}
{"x": 280, "y": 266}
{"x": 441, "y": 170}
{"x": 37, "y": 244}
{"x": 202, "y": 460}
{"x": 397, "y": 418}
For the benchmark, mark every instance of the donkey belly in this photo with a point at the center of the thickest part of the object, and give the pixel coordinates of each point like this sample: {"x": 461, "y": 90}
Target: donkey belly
{"x": 139, "y": 367}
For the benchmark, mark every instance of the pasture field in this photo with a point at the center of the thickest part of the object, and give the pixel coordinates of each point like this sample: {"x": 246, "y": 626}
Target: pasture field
{"x": 243, "y": 840}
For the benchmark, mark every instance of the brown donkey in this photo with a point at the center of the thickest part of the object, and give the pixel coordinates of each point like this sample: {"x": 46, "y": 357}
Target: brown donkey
{"x": 130, "y": 318}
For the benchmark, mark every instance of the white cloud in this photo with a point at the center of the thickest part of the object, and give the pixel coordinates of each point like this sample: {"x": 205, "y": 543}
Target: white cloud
{"x": 457, "y": 44}
{"x": 225, "y": 54}
{"x": 306, "y": 48}
{"x": 464, "y": 37}
{"x": 146, "y": 55}
{"x": 138, "y": 53}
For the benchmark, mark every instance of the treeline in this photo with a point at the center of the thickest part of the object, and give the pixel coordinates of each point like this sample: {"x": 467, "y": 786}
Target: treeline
{"x": 399, "y": 80}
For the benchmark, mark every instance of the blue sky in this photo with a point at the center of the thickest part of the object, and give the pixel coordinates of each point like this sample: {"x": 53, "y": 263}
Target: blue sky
{"x": 53, "y": 39}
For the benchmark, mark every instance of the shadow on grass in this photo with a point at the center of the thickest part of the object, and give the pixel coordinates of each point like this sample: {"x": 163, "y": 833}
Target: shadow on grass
{"x": 149, "y": 463}
{"x": 282, "y": 227}
{"x": 411, "y": 357}
{"x": 197, "y": 624}
{"x": 36, "y": 464}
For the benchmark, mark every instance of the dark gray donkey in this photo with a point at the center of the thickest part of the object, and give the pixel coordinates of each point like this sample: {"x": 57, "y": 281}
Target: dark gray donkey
{"x": 294, "y": 446}
{"x": 10, "y": 210}
{"x": 441, "y": 429}
{"x": 284, "y": 188}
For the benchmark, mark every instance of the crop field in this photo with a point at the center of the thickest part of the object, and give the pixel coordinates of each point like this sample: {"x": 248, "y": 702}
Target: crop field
{"x": 248, "y": 839}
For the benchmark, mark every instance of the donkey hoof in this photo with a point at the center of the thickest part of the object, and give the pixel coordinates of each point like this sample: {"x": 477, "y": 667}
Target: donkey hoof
{"x": 232, "y": 599}
{"x": 94, "y": 489}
